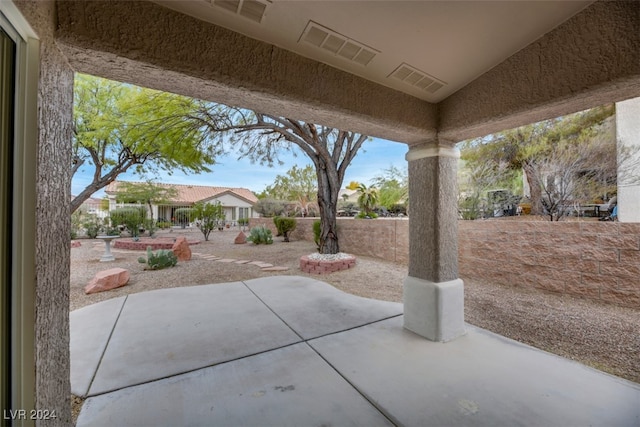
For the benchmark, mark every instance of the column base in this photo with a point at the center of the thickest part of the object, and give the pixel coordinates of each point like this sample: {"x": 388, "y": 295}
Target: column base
{"x": 434, "y": 310}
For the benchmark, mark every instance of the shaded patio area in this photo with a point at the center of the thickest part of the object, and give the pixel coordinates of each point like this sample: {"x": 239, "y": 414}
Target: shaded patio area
{"x": 287, "y": 350}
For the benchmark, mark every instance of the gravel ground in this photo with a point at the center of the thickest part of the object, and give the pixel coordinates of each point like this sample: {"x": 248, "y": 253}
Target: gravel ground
{"x": 603, "y": 336}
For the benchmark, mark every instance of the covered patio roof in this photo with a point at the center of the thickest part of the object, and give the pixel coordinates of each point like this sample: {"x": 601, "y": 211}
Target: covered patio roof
{"x": 499, "y": 64}
{"x": 494, "y": 65}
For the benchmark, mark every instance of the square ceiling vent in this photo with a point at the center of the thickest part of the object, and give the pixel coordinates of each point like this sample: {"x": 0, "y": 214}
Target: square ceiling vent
{"x": 250, "y": 9}
{"x": 419, "y": 79}
{"x": 337, "y": 44}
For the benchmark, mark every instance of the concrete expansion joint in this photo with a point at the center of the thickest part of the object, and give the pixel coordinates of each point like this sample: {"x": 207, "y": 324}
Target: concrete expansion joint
{"x": 373, "y": 402}
{"x": 104, "y": 350}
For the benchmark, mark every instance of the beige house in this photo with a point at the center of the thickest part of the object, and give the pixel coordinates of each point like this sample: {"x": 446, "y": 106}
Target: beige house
{"x": 237, "y": 202}
{"x": 422, "y": 73}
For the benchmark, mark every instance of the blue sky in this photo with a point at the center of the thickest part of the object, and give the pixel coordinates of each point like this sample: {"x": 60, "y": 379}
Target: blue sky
{"x": 375, "y": 156}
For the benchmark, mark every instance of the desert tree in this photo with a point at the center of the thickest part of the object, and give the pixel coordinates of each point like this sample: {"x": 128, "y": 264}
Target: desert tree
{"x": 261, "y": 137}
{"x": 299, "y": 186}
{"x": 367, "y": 199}
{"x": 528, "y": 148}
{"x": 393, "y": 187}
{"x": 147, "y": 193}
{"x": 207, "y": 216}
{"x": 119, "y": 127}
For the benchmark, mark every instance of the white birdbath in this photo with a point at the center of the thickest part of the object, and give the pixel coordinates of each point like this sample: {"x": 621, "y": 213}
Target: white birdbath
{"x": 108, "y": 256}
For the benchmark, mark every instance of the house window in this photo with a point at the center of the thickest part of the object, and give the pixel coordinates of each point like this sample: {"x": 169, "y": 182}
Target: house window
{"x": 243, "y": 213}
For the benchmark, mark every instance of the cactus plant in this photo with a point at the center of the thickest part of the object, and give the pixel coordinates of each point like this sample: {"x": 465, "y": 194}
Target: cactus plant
{"x": 163, "y": 258}
{"x": 260, "y": 235}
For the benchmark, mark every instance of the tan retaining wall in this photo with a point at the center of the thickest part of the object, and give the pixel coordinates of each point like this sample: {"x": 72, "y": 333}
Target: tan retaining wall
{"x": 596, "y": 260}
{"x": 385, "y": 238}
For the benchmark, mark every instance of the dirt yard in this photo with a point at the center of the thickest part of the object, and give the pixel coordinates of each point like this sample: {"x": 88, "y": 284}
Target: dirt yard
{"x": 603, "y": 336}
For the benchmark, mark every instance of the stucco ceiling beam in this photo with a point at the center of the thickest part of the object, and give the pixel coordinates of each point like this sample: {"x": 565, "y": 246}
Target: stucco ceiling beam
{"x": 148, "y": 45}
{"x": 592, "y": 59}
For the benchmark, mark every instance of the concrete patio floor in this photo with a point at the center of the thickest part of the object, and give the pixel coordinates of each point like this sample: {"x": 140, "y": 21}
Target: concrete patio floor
{"x": 293, "y": 351}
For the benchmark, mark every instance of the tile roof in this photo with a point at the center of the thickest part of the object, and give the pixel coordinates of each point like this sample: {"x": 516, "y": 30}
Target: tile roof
{"x": 188, "y": 194}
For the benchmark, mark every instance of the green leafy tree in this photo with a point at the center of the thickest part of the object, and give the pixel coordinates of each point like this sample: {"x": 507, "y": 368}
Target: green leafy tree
{"x": 207, "y": 216}
{"x": 526, "y": 147}
{"x": 147, "y": 193}
{"x": 178, "y": 135}
{"x": 119, "y": 126}
{"x": 260, "y": 137}
{"x": 132, "y": 217}
{"x": 393, "y": 187}
{"x": 270, "y": 207}
{"x": 476, "y": 177}
{"x": 299, "y": 185}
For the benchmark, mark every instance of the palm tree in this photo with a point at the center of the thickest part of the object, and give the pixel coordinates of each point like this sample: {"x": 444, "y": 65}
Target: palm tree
{"x": 367, "y": 199}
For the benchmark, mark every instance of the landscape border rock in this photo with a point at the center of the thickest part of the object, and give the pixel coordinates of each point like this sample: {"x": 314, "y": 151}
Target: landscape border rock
{"x": 181, "y": 249}
{"x": 106, "y": 280}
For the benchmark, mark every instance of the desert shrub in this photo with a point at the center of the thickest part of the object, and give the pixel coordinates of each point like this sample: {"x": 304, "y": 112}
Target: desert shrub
{"x": 133, "y": 218}
{"x": 243, "y": 222}
{"x": 276, "y": 222}
{"x": 151, "y": 226}
{"x": 163, "y": 224}
{"x": 398, "y": 208}
{"x": 270, "y": 207}
{"x": 209, "y": 216}
{"x": 163, "y": 258}
{"x": 317, "y": 228}
{"x": 285, "y": 226}
{"x": 260, "y": 235}
{"x": 470, "y": 208}
{"x": 365, "y": 215}
{"x": 92, "y": 226}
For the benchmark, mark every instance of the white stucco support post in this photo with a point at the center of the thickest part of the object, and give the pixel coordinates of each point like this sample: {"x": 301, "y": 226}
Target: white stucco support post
{"x": 433, "y": 294}
{"x": 628, "y": 136}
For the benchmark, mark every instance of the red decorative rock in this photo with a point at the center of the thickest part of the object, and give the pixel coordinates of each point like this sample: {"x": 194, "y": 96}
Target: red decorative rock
{"x": 181, "y": 249}
{"x": 106, "y": 280}
{"x": 75, "y": 244}
{"x": 240, "y": 239}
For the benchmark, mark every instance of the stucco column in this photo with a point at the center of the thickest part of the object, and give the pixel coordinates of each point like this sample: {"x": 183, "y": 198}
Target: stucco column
{"x": 433, "y": 293}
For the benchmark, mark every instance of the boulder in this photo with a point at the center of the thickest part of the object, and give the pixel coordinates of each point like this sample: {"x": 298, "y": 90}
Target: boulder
{"x": 240, "y": 239}
{"x": 107, "y": 279}
{"x": 181, "y": 249}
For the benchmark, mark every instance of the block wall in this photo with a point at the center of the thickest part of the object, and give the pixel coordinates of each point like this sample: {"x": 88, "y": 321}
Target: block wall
{"x": 384, "y": 238}
{"x": 596, "y": 260}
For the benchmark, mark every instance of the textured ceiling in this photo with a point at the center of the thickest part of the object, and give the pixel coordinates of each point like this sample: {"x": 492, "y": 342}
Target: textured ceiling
{"x": 428, "y": 49}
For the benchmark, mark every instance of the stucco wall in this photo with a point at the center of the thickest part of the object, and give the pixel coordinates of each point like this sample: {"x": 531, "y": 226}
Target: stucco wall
{"x": 596, "y": 260}
{"x": 149, "y": 45}
{"x": 566, "y": 70}
{"x": 53, "y": 218}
